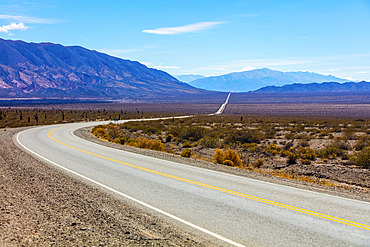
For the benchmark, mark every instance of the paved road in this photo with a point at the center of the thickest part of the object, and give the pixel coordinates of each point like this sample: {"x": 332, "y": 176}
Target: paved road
{"x": 232, "y": 210}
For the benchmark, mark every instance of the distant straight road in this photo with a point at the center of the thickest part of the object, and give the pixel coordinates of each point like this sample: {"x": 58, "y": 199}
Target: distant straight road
{"x": 232, "y": 210}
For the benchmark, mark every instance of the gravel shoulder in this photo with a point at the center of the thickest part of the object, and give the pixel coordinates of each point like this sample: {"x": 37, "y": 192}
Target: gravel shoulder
{"x": 42, "y": 206}
{"x": 347, "y": 191}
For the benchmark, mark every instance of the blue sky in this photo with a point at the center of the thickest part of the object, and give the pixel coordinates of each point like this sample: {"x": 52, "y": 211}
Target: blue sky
{"x": 205, "y": 37}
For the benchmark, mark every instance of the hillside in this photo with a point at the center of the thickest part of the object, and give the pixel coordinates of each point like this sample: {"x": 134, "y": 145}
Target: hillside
{"x": 254, "y": 79}
{"x": 350, "y": 87}
{"x": 188, "y": 78}
{"x": 49, "y": 70}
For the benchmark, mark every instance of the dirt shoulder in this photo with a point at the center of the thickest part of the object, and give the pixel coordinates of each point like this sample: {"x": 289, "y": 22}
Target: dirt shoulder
{"x": 347, "y": 191}
{"x": 41, "y": 206}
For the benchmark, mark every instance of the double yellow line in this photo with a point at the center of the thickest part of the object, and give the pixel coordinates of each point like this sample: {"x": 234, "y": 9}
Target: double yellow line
{"x": 189, "y": 181}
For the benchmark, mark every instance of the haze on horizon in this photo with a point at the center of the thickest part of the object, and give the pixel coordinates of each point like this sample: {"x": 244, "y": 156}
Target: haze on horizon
{"x": 205, "y": 37}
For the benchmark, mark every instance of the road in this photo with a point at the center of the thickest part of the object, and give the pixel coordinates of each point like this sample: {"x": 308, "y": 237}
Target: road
{"x": 232, "y": 210}
{"x": 222, "y": 107}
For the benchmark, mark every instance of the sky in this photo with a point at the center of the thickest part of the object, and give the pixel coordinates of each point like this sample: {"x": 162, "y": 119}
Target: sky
{"x": 205, "y": 37}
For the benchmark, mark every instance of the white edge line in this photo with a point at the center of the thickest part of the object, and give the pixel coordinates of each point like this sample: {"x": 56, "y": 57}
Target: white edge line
{"x": 131, "y": 198}
{"x": 224, "y": 173}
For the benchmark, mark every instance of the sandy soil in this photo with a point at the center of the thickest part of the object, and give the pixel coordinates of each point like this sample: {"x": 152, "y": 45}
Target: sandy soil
{"x": 41, "y": 206}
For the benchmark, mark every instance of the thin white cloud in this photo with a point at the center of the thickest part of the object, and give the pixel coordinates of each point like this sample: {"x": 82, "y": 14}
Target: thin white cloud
{"x": 13, "y": 26}
{"x": 27, "y": 19}
{"x": 165, "y": 67}
{"x": 362, "y": 72}
{"x": 184, "y": 29}
{"x": 117, "y": 52}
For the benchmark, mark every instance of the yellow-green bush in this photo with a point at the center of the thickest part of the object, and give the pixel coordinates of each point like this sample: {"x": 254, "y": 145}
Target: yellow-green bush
{"x": 150, "y": 144}
{"x": 218, "y": 156}
{"x": 230, "y": 154}
{"x": 99, "y": 132}
{"x": 187, "y": 153}
{"x": 251, "y": 147}
{"x": 272, "y": 150}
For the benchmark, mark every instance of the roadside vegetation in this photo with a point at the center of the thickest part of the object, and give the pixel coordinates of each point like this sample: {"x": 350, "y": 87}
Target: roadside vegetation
{"x": 13, "y": 117}
{"x": 281, "y": 146}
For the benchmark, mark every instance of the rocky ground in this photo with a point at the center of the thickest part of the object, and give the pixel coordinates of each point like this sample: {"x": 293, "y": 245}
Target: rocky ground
{"x": 41, "y": 206}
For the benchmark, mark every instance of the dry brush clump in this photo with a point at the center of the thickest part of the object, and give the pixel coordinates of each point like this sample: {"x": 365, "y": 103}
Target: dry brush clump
{"x": 227, "y": 157}
{"x": 255, "y": 142}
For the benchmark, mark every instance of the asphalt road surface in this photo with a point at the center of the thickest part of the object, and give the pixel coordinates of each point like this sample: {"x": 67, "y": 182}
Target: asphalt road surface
{"x": 230, "y": 209}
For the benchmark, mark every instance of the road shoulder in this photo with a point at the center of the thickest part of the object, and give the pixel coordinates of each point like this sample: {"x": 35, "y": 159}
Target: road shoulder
{"x": 42, "y": 206}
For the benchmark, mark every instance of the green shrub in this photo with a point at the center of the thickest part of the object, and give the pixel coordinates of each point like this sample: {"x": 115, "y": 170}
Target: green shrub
{"x": 193, "y": 133}
{"x": 259, "y": 163}
{"x": 187, "y": 153}
{"x": 251, "y": 147}
{"x": 210, "y": 142}
{"x": 113, "y": 132}
{"x": 288, "y": 145}
{"x": 169, "y": 137}
{"x": 247, "y": 136}
{"x": 292, "y": 158}
{"x": 361, "y": 143}
{"x": 362, "y": 158}
{"x": 330, "y": 152}
{"x": 306, "y": 153}
{"x": 186, "y": 144}
{"x": 121, "y": 140}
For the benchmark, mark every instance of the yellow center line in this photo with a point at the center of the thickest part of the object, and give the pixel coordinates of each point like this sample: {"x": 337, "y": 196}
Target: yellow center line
{"x": 189, "y": 181}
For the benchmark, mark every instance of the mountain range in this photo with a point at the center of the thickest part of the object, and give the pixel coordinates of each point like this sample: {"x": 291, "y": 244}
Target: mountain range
{"x": 353, "y": 87}
{"x": 255, "y": 79}
{"x": 49, "y": 70}
{"x": 188, "y": 78}
{"x": 53, "y": 71}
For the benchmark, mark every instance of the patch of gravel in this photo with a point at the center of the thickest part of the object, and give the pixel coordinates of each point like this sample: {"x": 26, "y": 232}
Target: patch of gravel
{"x": 42, "y": 206}
{"x": 346, "y": 190}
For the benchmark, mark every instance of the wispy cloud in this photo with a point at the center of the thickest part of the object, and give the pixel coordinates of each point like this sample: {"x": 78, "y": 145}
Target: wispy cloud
{"x": 165, "y": 67}
{"x": 13, "y": 26}
{"x": 117, "y": 52}
{"x": 184, "y": 29}
{"x": 27, "y": 19}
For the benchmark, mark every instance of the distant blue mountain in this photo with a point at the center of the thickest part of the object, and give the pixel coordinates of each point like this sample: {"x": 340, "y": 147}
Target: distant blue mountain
{"x": 352, "y": 87}
{"x": 254, "y": 79}
{"x": 188, "y": 78}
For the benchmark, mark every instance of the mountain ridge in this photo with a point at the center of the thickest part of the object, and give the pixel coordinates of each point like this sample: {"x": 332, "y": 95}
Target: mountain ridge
{"x": 323, "y": 87}
{"x": 54, "y": 70}
{"x": 254, "y": 79}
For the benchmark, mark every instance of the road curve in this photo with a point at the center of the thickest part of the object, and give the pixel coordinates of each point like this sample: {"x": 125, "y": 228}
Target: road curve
{"x": 233, "y": 210}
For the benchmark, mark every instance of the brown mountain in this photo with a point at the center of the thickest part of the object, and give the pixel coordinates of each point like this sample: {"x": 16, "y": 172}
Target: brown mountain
{"x": 49, "y": 70}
